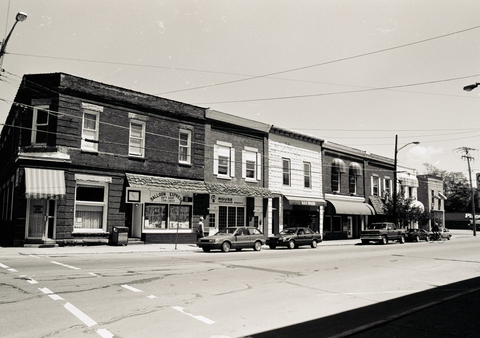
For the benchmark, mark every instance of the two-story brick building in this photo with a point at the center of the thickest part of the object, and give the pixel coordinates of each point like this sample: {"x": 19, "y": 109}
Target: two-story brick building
{"x": 81, "y": 157}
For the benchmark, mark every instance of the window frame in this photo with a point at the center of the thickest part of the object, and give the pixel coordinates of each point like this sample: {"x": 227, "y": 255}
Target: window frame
{"x": 90, "y": 146}
{"x": 35, "y": 124}
{"x": 226, "y": 151}
{"x": 188, "y": 146}
{"x": 307, "y": 175}
{"x": 336, "y": 178}
{"x": 286, "y": 171}
{"x": 143, "y": 125}
{"x": 352, "y": 183}
{"x": 375, "y": 179}
{"x": 103, "y": 205}
{"x": 252, "y": 156}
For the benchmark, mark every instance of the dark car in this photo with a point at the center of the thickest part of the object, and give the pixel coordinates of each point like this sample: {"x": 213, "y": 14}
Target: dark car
{"x": 233, "y": 238}
{"x": 416, "y": 235}
{"x": 294, "y": 237}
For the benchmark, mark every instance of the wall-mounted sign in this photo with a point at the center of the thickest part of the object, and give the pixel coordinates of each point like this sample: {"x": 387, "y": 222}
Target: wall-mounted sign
{"x": 231, "y": 200}
{"x": 165, "y": 197}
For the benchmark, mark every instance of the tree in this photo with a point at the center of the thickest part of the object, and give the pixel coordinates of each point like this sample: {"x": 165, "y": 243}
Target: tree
{"x": 456, "y": 188}
{"x": 407, "y": 213}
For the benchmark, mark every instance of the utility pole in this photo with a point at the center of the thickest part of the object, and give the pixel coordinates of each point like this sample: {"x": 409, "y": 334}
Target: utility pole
{"x": 469, "y": 158}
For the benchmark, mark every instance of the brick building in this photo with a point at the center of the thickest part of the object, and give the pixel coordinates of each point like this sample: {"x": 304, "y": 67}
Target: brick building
{"x": 81, "y": 157}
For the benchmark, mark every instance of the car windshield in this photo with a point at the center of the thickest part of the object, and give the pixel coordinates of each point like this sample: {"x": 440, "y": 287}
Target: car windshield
{"x": 288, "y": 231}
{"x": 377, "y": 226}
{"x": 226, "y": 231}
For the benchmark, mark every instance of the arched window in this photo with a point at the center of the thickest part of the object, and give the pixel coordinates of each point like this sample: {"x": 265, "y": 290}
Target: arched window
{"x": 338, "y": 167}
{"x": 354, "y": 171}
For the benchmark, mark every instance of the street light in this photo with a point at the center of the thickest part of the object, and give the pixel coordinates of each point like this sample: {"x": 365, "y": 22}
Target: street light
{"x": 395, "y": 176}
{"x": 19, "y": 18}
{"x": 471, "y": 87}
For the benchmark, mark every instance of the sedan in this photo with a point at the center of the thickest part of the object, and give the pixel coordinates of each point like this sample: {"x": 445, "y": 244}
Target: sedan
{"x": 294, "y": 237}
{"x": 416, "y": 235}
{"x": 233, "y": 238}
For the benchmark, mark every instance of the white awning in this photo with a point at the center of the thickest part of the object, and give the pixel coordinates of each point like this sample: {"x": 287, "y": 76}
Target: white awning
{"x": 407, "y": 180}
{"x": 308, "y": 201}
{"x": 44, "y": 184}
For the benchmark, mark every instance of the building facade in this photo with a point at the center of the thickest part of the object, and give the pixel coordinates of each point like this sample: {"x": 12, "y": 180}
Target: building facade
{"x": 82, "y": 158}
{"x": 431, "y": 194}
{"x": 295, "y": 180}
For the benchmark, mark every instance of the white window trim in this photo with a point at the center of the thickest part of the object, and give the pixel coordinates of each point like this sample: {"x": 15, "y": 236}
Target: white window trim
{"x": 375, "y": 177}
{"x": 252, "y": 154}
{"x": 90, "y": 146}
{"x": 309, "y": 174}
{"x": 100, "y": 183}
{"x": 189, "y": 146}
{"x": 289, "y": 171}
{"x": 142, "y": 138}
{"x": 34, "y": 122}
{"x": 231, "y": 171}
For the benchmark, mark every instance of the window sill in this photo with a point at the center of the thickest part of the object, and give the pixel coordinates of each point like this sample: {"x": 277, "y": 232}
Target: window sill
{"x": 136, "y": 158}
{"x": 89, "y": 232}
{"x": 89, "y": 151}
{"x": 222, "y": 177}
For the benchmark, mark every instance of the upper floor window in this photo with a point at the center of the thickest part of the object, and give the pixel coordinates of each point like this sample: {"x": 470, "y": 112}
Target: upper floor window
{"x": 387, "y": 187}
{"x": 286, "y": 169}
{"x": 338, "y": 167}
{"x": 137, "y": 139}
{"x": 90, "y": 127}
{"x": 185, "y": 146}
{"x": 375, "y": 185}
{"x": 40, "y": 125}
{"x": 307, "y": 175}
{"x": 251, "y": 164}
{"x": 354, "y": 171}
{"x": 224, "y": 160}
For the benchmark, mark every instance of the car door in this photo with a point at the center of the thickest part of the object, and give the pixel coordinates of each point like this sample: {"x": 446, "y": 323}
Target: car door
{"x": 242, "y": 238}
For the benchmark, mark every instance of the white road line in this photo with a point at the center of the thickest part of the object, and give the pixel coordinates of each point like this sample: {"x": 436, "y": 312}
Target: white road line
{"x": 34, "y": 256}
{"x": 152, "y": 296}
{"x": 200, "y": 318}
{"x": 131, "y": 288}
{"x": 104, "y": 333}
{"x": 55, "y": 297}
{"x": 4, "y": 266}
{"x": 94, "y": 274}
{"x": 32, "y": 281}
{"x": 80, "y": 315}
{"x": 12, "y": 270}
{"x": 46, "y": 291}
{"x": 65, "y": 265}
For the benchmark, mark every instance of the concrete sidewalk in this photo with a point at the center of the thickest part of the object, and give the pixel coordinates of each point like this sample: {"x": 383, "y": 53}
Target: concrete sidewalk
{"x": 140, "y": 248}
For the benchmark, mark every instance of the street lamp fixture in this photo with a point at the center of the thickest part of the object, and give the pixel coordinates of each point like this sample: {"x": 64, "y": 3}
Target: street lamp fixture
{"x": 19, "y": 18}
{"x": 395, "y": 176}
{"x": 471, "y": 87}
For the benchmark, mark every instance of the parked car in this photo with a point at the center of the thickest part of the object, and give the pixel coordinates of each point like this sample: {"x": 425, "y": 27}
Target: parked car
{"x": 294, "y": 237}
{"x": 233, "y": 238}
{"x": 382, "y": 232}
{"x": 416, "y": 235}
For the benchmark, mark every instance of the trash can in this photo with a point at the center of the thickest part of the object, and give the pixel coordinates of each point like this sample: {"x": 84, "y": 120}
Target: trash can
{"x": 120, "y": 236}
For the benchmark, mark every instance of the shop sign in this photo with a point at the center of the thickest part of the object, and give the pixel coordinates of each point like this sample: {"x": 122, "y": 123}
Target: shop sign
{"x": 232, "y": 200}
{"x": 165, "y": 197}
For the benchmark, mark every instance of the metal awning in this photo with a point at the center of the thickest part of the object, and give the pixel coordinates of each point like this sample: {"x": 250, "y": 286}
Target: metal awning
{"x": 355, "y": 169}
{"x": 338, "y": 166}
{"x": 442, "y": 196}
{"x": 44, "y": 184}
{"x": 308, "y": 201}
{"x": 351, "y": 208}
{"x": 377, "y": 204}
{"x": 417, "y": 204}
{"x": 407, "y": 180}
{"x": 165, "y": 183}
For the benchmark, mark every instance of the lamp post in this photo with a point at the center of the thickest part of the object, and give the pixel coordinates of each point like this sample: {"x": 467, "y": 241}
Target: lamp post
{"x": 395, "y": 176}
{"x": 19, "y": 18}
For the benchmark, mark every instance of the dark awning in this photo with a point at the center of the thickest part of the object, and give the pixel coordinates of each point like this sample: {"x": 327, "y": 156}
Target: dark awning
{"x": 240, "y": 190}
{"x": 338, "y": 166}
{"x": 351, "y": 208}
{"x": 308, "y": 201}
{"x": 166, "y": 183}
{"x": 377, "y": 205}
{"x": 355, "y": 169}
{"x": 44, "y": 184}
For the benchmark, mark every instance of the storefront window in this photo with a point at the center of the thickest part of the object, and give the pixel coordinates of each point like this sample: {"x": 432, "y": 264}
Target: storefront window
{"x": 167, "y": 216}
{"x": 231, "y": 217}
{"x": 337, "y": 224}
{"x": 180, "y": 216}
{"x": 156, "y": 216}
{"x": 90, "y": 205}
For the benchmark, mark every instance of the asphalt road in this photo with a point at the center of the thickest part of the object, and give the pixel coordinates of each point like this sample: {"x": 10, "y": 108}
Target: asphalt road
{"x": 332, "y": 291}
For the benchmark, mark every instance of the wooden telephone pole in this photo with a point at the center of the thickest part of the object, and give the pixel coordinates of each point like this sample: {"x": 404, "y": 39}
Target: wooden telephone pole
{"x": 467, "y": 156}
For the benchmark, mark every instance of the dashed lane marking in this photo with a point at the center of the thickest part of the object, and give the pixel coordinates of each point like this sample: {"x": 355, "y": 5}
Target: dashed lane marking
{"x": 65, "y": 265}
{"x": 200, "y": 318}
{"x": 104, "y": 333}
{"x": 80, "y": 315}
{"x": 131, "y": 288}
{"x": 4, "y": 266}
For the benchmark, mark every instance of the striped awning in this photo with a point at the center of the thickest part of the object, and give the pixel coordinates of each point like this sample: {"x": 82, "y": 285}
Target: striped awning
{"x": 355, "y": 169}
{"x": 407, "y": 180}
{"x": 44, "y": 184}
{"x": 338, "y": 166}
{"x": 351, "y": 208}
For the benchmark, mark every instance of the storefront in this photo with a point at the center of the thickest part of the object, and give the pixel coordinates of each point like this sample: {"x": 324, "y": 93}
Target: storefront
{"x": 303, "y": 211}
{"x": 163, "y": 209}
{"x": 345, "y": 217}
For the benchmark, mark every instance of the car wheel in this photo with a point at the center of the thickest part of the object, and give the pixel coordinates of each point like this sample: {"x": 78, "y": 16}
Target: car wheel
{"x": 314, "y": 244}
{"x": 384, "y": 240}
{"x": 417, "y": 238}
{"x": 206, "y": 249}
{"x": 272, "y": 246}
{"x": 401, "y": 240}
{"x": 257, "y": 246}
{"x": 225, "y": 247}
{"x": 291, "y": 244}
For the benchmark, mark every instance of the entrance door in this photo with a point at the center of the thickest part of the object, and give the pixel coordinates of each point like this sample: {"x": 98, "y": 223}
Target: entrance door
{"x": 212, "y": 222}
{"x": 41, "y": 219}
{"x": 137, "y": 217}
{"x": 349, "y": 226}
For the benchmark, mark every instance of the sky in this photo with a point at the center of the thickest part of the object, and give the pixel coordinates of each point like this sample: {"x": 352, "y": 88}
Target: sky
{"x": 351, "y": 72}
